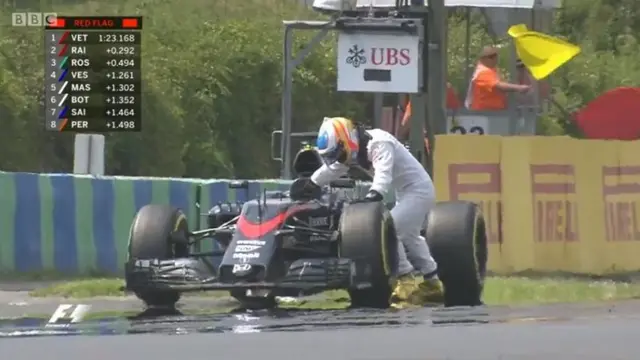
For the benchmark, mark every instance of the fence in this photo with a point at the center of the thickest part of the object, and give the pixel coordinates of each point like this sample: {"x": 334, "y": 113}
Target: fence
{"x": 551, "y": 203}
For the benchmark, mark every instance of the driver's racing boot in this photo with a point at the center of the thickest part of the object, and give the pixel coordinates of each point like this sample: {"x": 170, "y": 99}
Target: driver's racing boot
{"x": 407, "y": 291}
{"x": 413, "y": 290}
{"x": 430, "y": 290}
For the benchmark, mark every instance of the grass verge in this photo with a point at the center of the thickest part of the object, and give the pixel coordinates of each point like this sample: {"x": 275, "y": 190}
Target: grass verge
{"x": 522, "y": 291}
{"x": 498, "y": 291}
{"x": 99, "y": 287}
{"x": 82, "y": 288}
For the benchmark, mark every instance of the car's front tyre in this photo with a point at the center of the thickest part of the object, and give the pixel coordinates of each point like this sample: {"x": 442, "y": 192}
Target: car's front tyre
{"x": 153, "y": 236}
{"x": 367, "y": 235}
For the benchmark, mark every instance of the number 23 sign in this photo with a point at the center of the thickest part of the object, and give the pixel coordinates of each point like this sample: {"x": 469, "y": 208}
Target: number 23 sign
{"x": 467, "y": 125}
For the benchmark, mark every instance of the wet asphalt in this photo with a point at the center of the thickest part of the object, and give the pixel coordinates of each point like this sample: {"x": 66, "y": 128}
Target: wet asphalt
{"x": 563, "y": 331}
{"x": 590, "y": 340}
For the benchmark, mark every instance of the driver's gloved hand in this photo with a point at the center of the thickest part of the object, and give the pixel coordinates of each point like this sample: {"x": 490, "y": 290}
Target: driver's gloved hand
{"x": 373, "y": 196}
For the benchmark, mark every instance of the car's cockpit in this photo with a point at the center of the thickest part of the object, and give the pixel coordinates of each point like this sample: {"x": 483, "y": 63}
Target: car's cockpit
{"x": 307, "y": 160}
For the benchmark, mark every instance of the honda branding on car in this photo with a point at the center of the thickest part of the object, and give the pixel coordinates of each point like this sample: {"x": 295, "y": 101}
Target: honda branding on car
{"x": 319, "y": 221}
{"x": 238, "y": 268}
{"x": 246, "y": 256}
{"x": 246, "y": 248}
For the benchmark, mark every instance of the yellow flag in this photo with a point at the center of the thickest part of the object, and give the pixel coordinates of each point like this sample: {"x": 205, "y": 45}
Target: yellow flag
{"x": 540, "y": 53}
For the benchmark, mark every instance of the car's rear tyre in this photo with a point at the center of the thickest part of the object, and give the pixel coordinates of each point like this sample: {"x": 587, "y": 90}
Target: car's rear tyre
{"x": 457, "y": 238}
{"x": 158, "y": 232}
{"x": 367, "y": 235}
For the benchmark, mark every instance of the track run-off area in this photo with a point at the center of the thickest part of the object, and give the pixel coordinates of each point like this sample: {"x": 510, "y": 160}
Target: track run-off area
{"x": 118, "y": 328}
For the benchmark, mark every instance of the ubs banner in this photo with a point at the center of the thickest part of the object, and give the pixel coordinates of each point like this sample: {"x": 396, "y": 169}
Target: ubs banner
{"x": 551, "y": 203}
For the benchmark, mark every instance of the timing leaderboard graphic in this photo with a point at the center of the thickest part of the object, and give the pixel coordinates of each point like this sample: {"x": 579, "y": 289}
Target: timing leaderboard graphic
{"x": 92, "y": 74}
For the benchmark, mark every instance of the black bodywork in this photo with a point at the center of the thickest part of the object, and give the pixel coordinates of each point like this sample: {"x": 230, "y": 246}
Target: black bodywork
{"x": 286, "y": 245}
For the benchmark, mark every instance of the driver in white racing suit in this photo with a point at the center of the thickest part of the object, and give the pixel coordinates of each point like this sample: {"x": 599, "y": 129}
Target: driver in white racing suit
{"x": 343, "y": 144}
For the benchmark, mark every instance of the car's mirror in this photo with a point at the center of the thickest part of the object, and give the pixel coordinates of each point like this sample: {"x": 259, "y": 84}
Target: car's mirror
{"x": 239, "y": 184}
{"x": 343, "y": 184}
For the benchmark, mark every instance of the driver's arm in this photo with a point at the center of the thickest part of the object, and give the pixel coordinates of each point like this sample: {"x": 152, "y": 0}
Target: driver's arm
{"x": 327, "y": 173}
{"x": 382, "y": 161}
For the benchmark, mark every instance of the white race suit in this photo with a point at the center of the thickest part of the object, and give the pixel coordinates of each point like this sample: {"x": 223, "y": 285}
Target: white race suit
{"x": 396, "y": 169}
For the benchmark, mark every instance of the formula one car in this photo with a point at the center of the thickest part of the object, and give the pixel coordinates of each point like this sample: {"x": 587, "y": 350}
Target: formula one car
{"x": 287, "y": 243}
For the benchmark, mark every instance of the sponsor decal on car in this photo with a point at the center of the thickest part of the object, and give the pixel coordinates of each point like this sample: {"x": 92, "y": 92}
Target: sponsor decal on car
{"x": 314, "y": 238}
{"x": 246, "y": 256}
{"x": 250, "y": 242}
{"x": 239, "y": 268}
{"x": 145, "y": 263}
{"x": 245, "y": 248}
{"x": 319, "y": 221}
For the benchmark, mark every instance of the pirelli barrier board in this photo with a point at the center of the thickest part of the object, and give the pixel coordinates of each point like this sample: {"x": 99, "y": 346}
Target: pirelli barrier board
{"x": 92, "y": 74}
{"x": 551, "y": 203}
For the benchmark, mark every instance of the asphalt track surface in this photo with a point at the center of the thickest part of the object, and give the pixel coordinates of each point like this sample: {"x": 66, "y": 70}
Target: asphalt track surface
{"x": 589, "y": 331}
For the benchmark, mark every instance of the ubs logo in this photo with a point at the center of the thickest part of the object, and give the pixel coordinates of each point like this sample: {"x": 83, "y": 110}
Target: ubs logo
{"x": 356, "y": 56}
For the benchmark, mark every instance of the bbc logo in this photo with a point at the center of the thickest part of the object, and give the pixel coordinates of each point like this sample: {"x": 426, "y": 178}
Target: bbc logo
{"x": 33, "y": 19}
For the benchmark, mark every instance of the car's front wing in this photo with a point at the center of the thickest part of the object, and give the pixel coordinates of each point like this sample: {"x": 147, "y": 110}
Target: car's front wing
{"x": 184, "y": 275}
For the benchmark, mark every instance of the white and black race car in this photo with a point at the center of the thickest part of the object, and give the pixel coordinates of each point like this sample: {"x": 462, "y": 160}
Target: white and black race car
{"x": 290, "y": 243}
